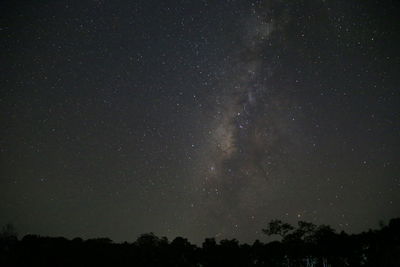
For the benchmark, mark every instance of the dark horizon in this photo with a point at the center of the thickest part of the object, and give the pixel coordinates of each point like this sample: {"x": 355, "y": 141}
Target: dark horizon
{"x": 306, "y": 244}
{"x": 9, "y": 230}
{"x": 198, "y": 118}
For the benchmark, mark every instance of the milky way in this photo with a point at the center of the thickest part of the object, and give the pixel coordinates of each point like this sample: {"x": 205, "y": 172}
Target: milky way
{"x": 247, "y": 130}
{"x": 255, "y": 145}
{"x": 198, "y": 118}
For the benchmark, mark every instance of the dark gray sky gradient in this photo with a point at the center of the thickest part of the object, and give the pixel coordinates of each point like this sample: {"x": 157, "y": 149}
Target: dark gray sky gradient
{"x": 198, "y": 118}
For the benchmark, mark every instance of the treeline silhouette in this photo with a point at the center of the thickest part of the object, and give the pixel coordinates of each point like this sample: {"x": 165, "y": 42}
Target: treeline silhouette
{"x": 303, "y": 245}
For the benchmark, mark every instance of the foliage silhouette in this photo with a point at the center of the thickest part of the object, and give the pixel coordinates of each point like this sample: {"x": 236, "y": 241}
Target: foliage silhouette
{"x": 304, "y": 245}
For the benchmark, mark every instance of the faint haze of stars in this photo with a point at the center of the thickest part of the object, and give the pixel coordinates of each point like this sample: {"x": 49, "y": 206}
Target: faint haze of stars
{"x": 196, "y": 118}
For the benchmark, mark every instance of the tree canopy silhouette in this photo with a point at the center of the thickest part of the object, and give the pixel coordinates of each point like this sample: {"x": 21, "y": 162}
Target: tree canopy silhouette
{"x": 303, "y": 245}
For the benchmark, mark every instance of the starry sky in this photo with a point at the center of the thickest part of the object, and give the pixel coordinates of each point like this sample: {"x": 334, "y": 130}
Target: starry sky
{"x": 198, "y": 118}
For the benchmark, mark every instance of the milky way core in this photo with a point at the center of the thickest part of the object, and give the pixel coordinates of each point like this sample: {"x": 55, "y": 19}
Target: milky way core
{"x": 198, "y": 118}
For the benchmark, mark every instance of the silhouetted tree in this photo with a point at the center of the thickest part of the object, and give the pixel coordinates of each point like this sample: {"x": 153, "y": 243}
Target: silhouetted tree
{"x": 8, "y": 240}
{"x": 182, "y": 253}
{"x": 151, "y": 250}
{"x": 305, "y": 245}
{"x": 209, "y": 255}
{"x": 277, "y": 227}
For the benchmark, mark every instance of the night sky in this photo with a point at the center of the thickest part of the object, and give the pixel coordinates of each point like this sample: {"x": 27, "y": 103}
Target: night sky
{"x": 198, "y": 118}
